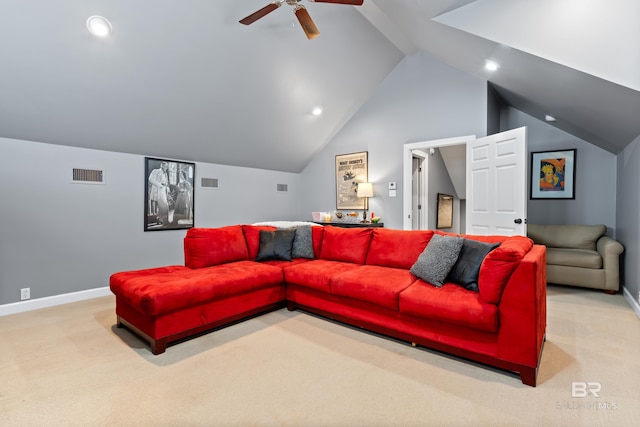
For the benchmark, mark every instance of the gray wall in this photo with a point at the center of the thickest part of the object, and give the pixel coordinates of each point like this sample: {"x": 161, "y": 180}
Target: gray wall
{"x": 422, "y": 99}
{"x": 494, "y": 106}
{"x": 595, "y": 186}
{"x": 628, "y": 220}
{"x": 57, "y": 237}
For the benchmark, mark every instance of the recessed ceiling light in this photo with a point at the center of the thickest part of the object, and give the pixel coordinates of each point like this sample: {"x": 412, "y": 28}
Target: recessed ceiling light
{"x": 491, "y": 66}
{"x": 99, "y": 26}
{"x": 549, "y": 118}
{"x": 317, "y": 110}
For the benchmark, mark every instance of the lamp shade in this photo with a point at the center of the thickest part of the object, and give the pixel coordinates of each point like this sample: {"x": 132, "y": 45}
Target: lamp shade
{"x": 365, "y": 189}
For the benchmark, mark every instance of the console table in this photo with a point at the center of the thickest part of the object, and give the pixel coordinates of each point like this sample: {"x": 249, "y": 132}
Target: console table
{"x": 351, "y": 224}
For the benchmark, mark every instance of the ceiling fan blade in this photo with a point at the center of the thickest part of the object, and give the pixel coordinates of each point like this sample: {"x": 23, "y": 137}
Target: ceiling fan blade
{"x": 260, "y": 13}
{"x": 306, "y": 23}
{"x": 352, "y": 2}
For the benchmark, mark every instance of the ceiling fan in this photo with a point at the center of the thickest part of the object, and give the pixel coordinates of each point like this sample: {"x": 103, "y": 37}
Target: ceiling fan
{"x": 305, "y": 20}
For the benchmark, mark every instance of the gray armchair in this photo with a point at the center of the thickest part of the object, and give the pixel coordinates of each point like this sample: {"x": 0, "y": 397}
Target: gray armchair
{"x": 580, "y": 255}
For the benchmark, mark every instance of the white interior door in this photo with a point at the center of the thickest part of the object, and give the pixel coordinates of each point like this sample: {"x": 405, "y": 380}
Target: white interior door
{"x": 496, "y": 184}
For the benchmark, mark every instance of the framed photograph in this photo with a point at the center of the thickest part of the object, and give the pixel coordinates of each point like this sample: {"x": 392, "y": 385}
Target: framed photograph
{"x": 351, "y": 169}
{"x": 445, "y": 211}
{"x": 168, "y": 194}
{"x": 553, "y": 174}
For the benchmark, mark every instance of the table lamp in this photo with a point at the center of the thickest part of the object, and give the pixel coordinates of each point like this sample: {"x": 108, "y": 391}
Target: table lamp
{"x": 365, "y": 189}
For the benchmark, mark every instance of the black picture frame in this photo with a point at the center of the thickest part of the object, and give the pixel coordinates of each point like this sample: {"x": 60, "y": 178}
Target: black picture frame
{"x": 553, "y": 175}
{"x": 169, "y": 196}
{"x": 445, "y": 211}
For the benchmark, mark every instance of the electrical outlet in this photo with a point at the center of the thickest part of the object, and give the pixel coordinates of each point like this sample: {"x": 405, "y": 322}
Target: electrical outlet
{"x": 25, "y": 293}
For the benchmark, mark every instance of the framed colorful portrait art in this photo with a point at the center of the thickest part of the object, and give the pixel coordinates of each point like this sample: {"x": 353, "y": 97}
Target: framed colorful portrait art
{"x": 553, "y": 174}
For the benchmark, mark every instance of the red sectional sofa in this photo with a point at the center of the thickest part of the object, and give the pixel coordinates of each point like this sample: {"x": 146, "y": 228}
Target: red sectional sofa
{"x": 359, "y": 276}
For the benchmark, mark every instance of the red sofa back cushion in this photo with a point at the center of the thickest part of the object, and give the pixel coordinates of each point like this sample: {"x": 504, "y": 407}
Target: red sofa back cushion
{"x": 397, "y": 248}
{"x": 204, "y": 247}
{"x": 345, "y": 244}
{"x": 498, "y": 266}
{"x": 317, "y": 233}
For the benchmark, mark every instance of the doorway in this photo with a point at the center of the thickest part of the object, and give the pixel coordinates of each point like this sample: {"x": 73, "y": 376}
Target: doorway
{"x": 495, "y": 182}
{"x": 413, "y": 197}
{"x": 418, "y": 220}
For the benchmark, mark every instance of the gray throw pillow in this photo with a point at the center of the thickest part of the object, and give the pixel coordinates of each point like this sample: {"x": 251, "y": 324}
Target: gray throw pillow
{"x": 467, "y": 268}
{"x": 303, "y": 242}
{"x": 275, "y": 244}
{"x": 436, "y": 260}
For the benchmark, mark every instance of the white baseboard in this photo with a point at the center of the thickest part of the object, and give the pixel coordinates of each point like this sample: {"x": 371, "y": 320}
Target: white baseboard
{"x": 632, "y": 301}
{"x": 35, "y": 304}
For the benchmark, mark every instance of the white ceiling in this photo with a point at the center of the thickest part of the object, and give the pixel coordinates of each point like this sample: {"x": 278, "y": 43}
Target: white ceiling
{"x": 185, "y": 80}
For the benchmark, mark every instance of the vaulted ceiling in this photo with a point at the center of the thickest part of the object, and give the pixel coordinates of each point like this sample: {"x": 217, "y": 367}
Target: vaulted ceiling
{"x": 185, "y": 80}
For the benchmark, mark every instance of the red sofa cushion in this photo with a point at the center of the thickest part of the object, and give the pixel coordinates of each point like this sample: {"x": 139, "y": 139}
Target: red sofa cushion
{"x": 165, "y": 292}
{"x": 285, "y": 264}
{"x": 374, "y": 284}
{"x": 205, "y": 247}
{"x": 498, "y": 265}
{"x": 345, "y": 244}
{"x": 316, "y": 274}
{"x": 317, "y": 233}
{"x": 397, "y": 248}
{"x": 449, "y": 303}
{"x": 118, "y": 280}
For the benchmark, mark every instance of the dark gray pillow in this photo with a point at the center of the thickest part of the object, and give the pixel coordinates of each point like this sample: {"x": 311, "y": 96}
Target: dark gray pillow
{"x": 436, "y": 260}
{"x": 276, "y": 244}
{"x": 303, "y": 242}
{"x": 467, "y": 268}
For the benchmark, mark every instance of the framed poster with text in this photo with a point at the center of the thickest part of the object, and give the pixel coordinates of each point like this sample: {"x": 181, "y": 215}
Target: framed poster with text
{"x": 351, "y": 169}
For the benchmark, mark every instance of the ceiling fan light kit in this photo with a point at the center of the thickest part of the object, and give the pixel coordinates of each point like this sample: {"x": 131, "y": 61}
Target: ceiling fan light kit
{"x": 307, "y": 24}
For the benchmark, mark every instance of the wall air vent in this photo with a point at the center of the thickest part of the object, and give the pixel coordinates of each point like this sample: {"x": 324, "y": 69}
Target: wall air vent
{"x": 87, "y": 176}
{"x": 209, "y": 182}
{"x": 282, "y": 187}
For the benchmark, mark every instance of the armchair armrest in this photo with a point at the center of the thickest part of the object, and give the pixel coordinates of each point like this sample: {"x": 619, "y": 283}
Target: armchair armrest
{"x": 610, "y": 250}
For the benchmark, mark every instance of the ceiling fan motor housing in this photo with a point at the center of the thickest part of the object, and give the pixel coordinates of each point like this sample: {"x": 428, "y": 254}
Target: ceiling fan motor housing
{"x": 307, "y": 24}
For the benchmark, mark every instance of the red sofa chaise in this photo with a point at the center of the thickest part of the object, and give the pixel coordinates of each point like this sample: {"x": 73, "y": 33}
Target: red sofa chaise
{"x": 359, "y": 276}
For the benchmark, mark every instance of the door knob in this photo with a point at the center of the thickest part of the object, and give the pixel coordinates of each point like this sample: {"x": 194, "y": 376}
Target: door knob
{"x": 517, "y": 221}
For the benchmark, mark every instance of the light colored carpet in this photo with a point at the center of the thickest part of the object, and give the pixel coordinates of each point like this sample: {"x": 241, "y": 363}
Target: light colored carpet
{"x": 69, "y": 365}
